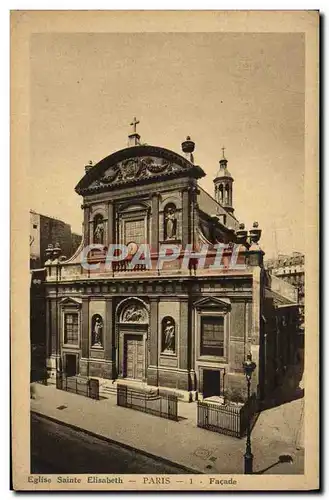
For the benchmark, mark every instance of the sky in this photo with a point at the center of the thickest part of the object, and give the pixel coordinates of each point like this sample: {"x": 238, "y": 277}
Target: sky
{"x": 243, "y": 91}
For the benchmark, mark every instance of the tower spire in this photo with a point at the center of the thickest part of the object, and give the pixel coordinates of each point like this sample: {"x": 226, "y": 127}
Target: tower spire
{"x": 224, "y": 184}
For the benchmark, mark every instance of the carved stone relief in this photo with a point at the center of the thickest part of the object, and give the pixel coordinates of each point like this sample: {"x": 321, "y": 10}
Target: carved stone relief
{"x": 134, "y": 313}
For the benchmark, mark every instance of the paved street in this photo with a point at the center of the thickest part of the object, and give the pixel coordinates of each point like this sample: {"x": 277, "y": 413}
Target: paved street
{"x": 276, "y": 433}
{"x": 58, "y": 449}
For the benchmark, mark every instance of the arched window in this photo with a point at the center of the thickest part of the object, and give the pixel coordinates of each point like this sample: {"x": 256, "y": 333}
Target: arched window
{"x": 98, "y": 229}
{"x": 221, "y": 193}
{"x": 168, "y": 335}
{"x": 227, "y": 194}
{"x": 170, "y": 222}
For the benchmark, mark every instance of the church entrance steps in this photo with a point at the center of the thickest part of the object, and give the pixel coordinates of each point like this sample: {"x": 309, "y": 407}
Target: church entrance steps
{"x": 109, "y": 388}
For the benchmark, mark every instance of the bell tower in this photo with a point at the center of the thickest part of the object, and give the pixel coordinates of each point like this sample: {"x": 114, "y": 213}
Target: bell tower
{"x": 224, "y": 185}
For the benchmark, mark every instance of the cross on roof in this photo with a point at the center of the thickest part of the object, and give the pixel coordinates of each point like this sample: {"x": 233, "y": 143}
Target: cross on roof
{"x": 223, "y": 149}
{"x": 134, "y": 123}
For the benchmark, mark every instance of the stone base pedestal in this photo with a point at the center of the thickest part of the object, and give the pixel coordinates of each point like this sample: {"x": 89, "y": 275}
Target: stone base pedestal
{"x": 52, "y": 366}
{"x": 175, "y": 379}
{"x": 235, "y": 387}
{"x": 96, "y": 368}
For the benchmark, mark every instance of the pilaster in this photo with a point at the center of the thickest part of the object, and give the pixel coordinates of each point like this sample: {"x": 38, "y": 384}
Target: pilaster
{"x": 185, "y": 217}
{"x": 54, "y": 325}
{"x": 86, "y": 214}
{"x": 108, "y": 337}
{"x": 85, "y": 328}
{"x": 184, "y": 335}
{"x": 154, "y": 335}
{"x": 155, "y": 224}
{"x": 110, "y": 223}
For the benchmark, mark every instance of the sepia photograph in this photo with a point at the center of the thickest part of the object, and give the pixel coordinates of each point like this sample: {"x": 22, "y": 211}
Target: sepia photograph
{"x": 169, "y": 196}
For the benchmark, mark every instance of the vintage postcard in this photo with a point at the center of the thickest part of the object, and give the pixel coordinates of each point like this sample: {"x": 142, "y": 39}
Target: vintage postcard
{"x": 164, "y": 319}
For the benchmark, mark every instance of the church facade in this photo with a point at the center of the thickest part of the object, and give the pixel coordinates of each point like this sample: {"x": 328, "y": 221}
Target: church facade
{"x": 186, "y": 315}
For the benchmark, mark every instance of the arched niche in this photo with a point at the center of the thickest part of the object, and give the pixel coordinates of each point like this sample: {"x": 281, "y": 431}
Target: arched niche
{"x": 98, "y": 228}
{"x": 170, "y": 222}
{"x": 97, "y": 327}
{"x": 168, "y": 335}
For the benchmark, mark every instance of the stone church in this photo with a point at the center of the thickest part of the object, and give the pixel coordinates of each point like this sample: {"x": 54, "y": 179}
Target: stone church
{"x": 184, "y": 328}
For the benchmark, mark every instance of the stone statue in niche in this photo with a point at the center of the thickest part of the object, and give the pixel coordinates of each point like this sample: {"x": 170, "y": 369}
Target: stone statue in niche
{"x": 168, "y": 335}
{"x": 97, "y": 331}
{"x": 134, "y": 314}
{"x": 99, "y": 230}
{"x": 170, "y": 222}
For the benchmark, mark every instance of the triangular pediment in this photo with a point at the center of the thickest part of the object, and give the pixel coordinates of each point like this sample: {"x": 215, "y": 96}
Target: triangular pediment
{"x": 212, "y": 303}
{"x": 134, "y": 165}
{"x": 71, "y": 301}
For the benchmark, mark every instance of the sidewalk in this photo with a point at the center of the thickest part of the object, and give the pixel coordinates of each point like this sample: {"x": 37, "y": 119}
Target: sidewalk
{"x": 179, "y": 442}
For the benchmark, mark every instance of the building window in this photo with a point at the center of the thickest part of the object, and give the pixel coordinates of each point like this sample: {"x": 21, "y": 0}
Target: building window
{"x": 135, "y": 232}
{"x": 71, "y": 328}
{"x": 212, "y": 336}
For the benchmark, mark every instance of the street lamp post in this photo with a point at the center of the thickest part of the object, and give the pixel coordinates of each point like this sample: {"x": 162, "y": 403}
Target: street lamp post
{"x": 249, "y": 367}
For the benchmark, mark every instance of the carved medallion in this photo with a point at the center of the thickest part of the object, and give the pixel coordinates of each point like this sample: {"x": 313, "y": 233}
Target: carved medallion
{"x": 130, "y": 168}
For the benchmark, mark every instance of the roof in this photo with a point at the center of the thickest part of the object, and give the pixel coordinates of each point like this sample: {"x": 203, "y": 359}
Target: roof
{"x": 210, "y": 206}
{"x": 278, "y": 299}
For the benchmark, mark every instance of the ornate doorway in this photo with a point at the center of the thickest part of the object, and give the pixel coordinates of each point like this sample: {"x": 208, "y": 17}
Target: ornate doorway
{"x": 134, "y": 357}
{"x": 132, "y": 333}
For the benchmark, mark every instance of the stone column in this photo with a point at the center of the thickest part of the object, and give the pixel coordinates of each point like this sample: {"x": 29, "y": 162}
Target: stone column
{"x": 186, "y": 215}
{"x": 155, "y": 224}
{"x": 110, "y": 223}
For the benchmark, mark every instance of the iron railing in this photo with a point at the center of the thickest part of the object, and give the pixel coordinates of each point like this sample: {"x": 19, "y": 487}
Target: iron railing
{"x": 85, "y": 387}
{"x": 227, "y": 419}
{"x": 165, "y": 406}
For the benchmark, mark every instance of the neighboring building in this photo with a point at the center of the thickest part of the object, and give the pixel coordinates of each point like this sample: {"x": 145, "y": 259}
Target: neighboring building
{"x": 188, "y": 329}
{"x": 45, "y": 230}
{"x": 291, "y": 269}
